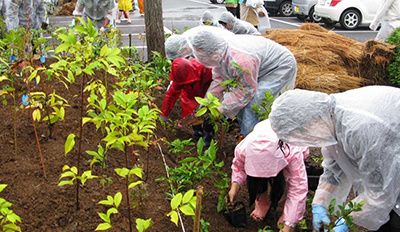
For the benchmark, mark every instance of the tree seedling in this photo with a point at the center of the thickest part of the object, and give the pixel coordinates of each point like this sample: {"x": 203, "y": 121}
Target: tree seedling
{"x": 344, "y": 212}
{"x": 8, "y": 219}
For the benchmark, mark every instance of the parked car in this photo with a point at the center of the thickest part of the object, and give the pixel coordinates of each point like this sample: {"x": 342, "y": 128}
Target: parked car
{"x": 304, "y": 9}
{"x": 349, "y": 13}
{"x": 283, "y": 7}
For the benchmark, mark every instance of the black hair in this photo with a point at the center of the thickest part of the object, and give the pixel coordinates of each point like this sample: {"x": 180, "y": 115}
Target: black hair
{"x": 258, "y": 185}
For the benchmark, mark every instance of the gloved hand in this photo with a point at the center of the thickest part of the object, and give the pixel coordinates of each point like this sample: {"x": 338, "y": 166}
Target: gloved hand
{"x": 320, "y": 217}
{"x": 73, "y": 23}
{"x": 102, "y": 29}
{"x": 340, "y": 226}
{"x": 163, "y": 118}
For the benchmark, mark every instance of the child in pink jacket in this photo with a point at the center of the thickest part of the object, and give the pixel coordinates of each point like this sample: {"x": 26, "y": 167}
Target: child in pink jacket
{"x": 275, "y": 172}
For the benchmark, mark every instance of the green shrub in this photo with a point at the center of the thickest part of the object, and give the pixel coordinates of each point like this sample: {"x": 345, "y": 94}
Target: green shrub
{"x": 394, "y": 67}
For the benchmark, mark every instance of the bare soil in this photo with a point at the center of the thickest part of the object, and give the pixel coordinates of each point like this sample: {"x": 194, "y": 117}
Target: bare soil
{"x": 43, "y": 206}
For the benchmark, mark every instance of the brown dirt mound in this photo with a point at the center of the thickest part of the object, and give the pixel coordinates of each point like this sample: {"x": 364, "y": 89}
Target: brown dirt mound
{"x": 331, "y": 63}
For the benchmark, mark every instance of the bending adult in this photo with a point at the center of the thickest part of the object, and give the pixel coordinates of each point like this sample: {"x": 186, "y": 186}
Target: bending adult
{"x": 388, "y": 16}
{"x": 177, "y": 46}
{"x": 253, "y": 65}
{"x": 30, "y": 14}
{"x": 208, "y": 19}
{"x": 235, "y": 25}
{"x": 100, "y": 12}
{"x": 358, "y": 131}
{"x": 274, "y": 171}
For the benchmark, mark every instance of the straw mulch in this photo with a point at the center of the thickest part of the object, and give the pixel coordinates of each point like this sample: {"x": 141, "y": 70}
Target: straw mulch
{"x": 332, "y": 63}
{"x": 67, "y": 8}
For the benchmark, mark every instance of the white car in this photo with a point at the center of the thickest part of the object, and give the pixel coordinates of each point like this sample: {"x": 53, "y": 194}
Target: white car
{"x": 349, "y": 13}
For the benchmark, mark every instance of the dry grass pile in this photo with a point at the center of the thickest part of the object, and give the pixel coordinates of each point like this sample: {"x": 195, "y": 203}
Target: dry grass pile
{"x": 331, "y": 63}
{"x": 67, "y": 8}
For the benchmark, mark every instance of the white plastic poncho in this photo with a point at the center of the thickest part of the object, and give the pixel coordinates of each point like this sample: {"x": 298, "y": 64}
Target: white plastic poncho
{"x": 208, "y": 19}
{"x": 359, "y": 131}
{"x": 177, "y": 46}
{"x": 388, "y": 15}
{"x": 20, "y": 13}
{"x": 96, "y": 10}
{"x": 264, "y": 66}
{"x": 239, "y": 26}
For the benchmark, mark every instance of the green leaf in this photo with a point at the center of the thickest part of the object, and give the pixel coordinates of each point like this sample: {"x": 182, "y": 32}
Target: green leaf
{"x": 117, "y": 199}
{"x": 132, "y": 185}
{"x": 201, "y": 112}
{"x": 142, "y": 225}
{"x": 187, "y": 210}
{"x": 176, "y": 201}
{"x": 65, "y": 182}
{"x": 188, "y": 195}
{"x": 111, "y": 211}
{"x": 105, "y": 217}
{"x": 103, "y": 226}
{"x": 188, "y": 159}
{"x": 174, "y": 217}
{"x": 70, "y": 143}
{"x": 2, "y": 187}
{"x": 103, "y": 50}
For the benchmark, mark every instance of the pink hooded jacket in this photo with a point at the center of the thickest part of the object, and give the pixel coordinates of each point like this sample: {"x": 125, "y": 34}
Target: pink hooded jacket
{"x": 258, "y": 155}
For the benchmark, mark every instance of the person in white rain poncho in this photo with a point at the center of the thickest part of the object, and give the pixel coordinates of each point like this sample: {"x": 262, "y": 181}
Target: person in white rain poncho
{"x": 235, "y": 25}
{"x": 359, "y": 132}
{"x": 100, "y": 12}
{"x": 264, "y": 66}
{"x": 30, "y": 14}
{"x": 388, "y": 15}
{"x": 177, "y": 46}
{"x": 208, "y": 19}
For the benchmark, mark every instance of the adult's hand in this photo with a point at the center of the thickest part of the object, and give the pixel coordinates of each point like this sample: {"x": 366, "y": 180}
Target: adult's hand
{"x": 320, "y": 217}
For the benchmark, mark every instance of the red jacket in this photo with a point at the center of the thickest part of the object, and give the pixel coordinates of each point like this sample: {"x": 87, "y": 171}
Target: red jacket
{"x": 189, "y": 79}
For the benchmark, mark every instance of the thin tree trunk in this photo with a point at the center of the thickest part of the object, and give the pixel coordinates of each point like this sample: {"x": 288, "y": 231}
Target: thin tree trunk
{"x": 154, "y": 27}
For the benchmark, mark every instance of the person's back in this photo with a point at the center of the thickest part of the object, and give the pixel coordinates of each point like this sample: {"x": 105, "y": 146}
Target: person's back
{"x": 25, "y": 13}
{"x": 358, "y": 131}
{"x": 271, "y": 56}
{"x": 236, "y": 25}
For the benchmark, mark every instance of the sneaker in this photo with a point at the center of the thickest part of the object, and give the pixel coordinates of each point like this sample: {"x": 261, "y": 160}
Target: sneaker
{"x": 141, "y": 15}
{"x": 129, "y": 21}
{"x": 118, "y": 21}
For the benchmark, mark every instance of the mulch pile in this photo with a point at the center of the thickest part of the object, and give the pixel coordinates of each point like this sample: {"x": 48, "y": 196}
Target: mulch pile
{"x": 67, "y": 8}
{"x": 332, "y": 63}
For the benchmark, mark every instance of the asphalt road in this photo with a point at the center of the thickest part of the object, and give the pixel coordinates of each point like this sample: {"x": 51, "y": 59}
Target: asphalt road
{"x": 179, "y": 15}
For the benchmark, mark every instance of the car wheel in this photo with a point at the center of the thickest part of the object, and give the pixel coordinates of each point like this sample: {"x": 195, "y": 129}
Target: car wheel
{"x": 314, "y": 18}
{"x": 301, "y": 17}
{"x": 328, "y": 22}
{"x": 217, "y": 1}
{"x": 286, "y": 8}
{"x": 350, "y": 19}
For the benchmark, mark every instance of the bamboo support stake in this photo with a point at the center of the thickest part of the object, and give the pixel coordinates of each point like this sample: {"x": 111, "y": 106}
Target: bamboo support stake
{"x": 199, "y": 195}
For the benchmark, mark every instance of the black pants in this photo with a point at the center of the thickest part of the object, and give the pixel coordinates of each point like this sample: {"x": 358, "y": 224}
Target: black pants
{"x": 234, "y": 10}
{"x": 393, "y": 225}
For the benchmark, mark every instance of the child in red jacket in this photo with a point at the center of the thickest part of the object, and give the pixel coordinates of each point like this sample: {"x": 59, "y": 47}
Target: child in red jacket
{"x": 189, "y": 79}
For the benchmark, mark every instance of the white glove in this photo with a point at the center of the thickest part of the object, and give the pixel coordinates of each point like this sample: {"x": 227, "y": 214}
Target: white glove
{"x": 102, "y": 29}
